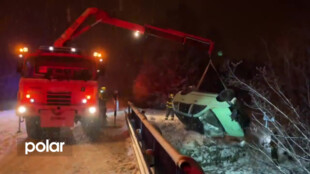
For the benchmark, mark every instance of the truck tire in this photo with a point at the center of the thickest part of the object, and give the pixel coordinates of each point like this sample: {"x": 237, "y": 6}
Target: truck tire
{"x": 92, "y": 127}
{"x": 33, "y": 127}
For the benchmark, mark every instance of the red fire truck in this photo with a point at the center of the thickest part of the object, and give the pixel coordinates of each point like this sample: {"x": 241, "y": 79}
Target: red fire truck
{"x": 59, "y": 86}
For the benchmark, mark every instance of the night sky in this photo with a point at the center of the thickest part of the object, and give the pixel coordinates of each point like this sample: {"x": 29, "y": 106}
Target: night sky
{"x": 239, "y": 28}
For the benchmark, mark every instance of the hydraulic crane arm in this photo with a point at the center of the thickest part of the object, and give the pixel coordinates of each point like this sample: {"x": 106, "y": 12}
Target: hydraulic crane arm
{"x": 103, "y": 17}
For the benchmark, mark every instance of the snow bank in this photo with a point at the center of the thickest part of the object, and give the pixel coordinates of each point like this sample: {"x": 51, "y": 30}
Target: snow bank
{"x": 215, "y": 155}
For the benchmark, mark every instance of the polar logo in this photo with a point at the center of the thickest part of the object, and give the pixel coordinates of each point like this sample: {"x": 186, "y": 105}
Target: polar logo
{"x": 44, "y": 147}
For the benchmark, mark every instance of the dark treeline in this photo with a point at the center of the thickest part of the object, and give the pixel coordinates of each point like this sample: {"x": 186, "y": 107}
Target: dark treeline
{"x": 241, "y": 29}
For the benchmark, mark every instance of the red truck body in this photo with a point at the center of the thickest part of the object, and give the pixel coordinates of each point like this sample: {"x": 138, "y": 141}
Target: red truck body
{"x": 54, "y": 88}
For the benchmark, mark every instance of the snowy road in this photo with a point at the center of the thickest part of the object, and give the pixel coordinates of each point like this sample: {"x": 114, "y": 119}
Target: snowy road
{"x": 111, "y": 155}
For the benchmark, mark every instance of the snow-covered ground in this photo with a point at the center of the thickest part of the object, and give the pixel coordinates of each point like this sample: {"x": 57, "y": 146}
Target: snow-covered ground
{"x": 216, "y": 155}
{"x": 113, "y": 154}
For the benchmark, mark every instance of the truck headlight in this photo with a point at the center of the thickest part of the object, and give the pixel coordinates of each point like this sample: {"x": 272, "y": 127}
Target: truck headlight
{"x": 22, "y": 109}
{"x": 92, "y": 110}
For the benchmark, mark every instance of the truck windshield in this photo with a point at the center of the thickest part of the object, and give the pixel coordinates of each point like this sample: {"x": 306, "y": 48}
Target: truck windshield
{"x": 61, "y": 68}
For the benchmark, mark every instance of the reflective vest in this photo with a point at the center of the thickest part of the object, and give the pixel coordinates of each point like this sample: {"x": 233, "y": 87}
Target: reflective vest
{"x": 169, "y": 103}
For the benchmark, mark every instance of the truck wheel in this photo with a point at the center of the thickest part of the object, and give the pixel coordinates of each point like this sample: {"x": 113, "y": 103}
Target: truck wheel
{"x": 33, "y": 127}
{"x": 92, "y": 127}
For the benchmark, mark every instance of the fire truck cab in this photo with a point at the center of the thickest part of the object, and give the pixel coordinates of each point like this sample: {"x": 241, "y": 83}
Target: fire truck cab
{"x": 58, "y": 86}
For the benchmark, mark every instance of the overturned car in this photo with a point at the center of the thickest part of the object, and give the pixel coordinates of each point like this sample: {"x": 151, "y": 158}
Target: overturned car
{"x": 211, "y": 114}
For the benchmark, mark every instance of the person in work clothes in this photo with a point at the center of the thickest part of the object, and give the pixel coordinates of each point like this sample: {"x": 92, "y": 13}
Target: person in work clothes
{"x": 169, "y": 108}
{"x": 103, "y": 104}
{"x": 116, "y": 104}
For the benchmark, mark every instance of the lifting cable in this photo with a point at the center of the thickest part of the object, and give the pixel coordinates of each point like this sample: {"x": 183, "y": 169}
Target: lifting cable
{"x": 205, "y": 72}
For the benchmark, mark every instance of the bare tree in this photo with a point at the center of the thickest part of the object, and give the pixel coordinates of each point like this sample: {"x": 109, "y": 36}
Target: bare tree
{"x": 271, "y": 104}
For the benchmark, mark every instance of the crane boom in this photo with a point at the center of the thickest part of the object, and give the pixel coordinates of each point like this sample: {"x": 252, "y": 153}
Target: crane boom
{"x": 103, "y": 17}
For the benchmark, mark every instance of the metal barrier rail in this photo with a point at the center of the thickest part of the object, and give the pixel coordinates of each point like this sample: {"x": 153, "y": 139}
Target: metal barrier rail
{"x": 155, "y": 154}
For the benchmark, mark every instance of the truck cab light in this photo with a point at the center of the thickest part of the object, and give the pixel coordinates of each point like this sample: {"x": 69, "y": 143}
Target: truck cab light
{"x": 28, "y": 96}
{"x": 23, "y": 50}
{"x": 88, "y": 97}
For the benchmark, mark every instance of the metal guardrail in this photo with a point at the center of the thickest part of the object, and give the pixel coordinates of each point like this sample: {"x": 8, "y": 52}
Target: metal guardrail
{"x": 155, "y": 154}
